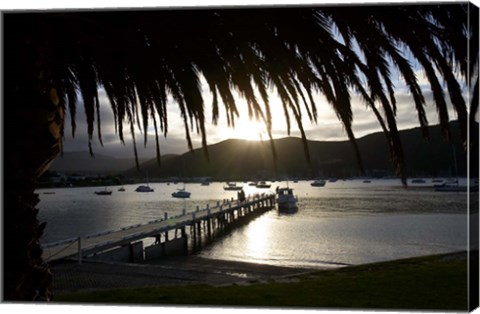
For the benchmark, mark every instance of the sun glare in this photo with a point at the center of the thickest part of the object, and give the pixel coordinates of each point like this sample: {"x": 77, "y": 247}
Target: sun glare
{"x": 252, "y": 129}
{"x": 247, "y": 129}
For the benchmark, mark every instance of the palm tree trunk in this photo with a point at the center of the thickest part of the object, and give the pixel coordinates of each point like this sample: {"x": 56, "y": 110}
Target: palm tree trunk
{"x": 33, "y": 121}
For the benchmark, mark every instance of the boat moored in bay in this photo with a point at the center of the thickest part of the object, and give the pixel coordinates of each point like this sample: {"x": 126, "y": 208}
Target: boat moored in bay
{"x": 104, "y": 192}
{"x": 286, "y": 201}
{"x": 181, "y": 193}
{"x": 232, "y": 187}
{"x": 318, "y": 183}
{"x": 144, "y": 188}
{"x": 418, "y": 181}
{"x": 263, "y": 185}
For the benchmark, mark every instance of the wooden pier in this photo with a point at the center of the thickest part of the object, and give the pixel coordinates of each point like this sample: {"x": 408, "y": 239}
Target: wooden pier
{"x": 181, "y": 234}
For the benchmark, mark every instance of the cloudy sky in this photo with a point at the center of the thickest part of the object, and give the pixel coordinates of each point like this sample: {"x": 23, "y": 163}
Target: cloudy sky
{"x": 328, "y": 127}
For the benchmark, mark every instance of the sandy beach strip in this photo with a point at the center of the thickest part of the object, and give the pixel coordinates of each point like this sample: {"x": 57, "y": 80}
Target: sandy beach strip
{"x": 69, "y": 276}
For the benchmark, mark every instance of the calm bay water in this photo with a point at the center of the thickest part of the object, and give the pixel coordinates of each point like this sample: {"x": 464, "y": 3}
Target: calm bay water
{"x": 343, "y": 223}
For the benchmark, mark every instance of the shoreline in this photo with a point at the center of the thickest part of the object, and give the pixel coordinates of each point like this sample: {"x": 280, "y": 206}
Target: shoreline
{"x": 71, "y": 277}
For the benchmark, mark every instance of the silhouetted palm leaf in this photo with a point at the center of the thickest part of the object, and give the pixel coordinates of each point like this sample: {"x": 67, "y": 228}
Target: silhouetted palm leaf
{"x": 142, "y": 57}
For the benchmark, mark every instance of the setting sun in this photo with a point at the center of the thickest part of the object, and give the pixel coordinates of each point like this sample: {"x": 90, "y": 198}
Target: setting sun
{"x": 247, "y": 129}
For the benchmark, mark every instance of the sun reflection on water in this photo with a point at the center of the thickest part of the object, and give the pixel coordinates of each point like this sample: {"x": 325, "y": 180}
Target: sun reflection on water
{"x": 258, "y": 244}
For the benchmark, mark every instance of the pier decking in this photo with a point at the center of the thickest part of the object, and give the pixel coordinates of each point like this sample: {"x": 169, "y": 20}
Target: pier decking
{"x": 126, "y": 243}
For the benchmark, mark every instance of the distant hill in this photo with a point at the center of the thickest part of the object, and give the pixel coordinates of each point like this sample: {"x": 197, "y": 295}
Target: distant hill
{"x": 245, "y": 160}
{"x": 82, "y": 162}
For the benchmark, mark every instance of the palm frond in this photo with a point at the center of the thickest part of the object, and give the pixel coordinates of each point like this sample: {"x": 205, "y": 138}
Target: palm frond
{"x": 141, "y": 58}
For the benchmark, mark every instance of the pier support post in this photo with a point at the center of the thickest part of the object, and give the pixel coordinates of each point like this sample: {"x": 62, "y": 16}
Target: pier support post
{"x": 79, "y": 250}
{"x": 209, "y": 228}
{"x": 194, "y": 231}
{"x": 183, "y": 235}
{"x": 220, "y": 222}
{"x": 199, "y": 226}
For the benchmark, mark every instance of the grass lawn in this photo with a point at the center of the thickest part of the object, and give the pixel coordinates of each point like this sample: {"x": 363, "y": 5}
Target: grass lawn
{"x": 434, "y": 282}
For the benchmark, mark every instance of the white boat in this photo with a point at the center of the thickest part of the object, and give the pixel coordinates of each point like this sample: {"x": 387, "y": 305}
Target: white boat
{"x": 286, "y": 200}
{"x": 143, "y": 188}
{"x": 418, "y": 181}
{"x": 104, "y": 192}
{"x": 443, "y": 182}
{"x": 263, "y": 185}
{"x": 451, "y": 182}
{"x": 318, "y": 183}
{"x": 181, "y": 193}
{"x": 232, "y": 187}
{"x": 451, "y": 185}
